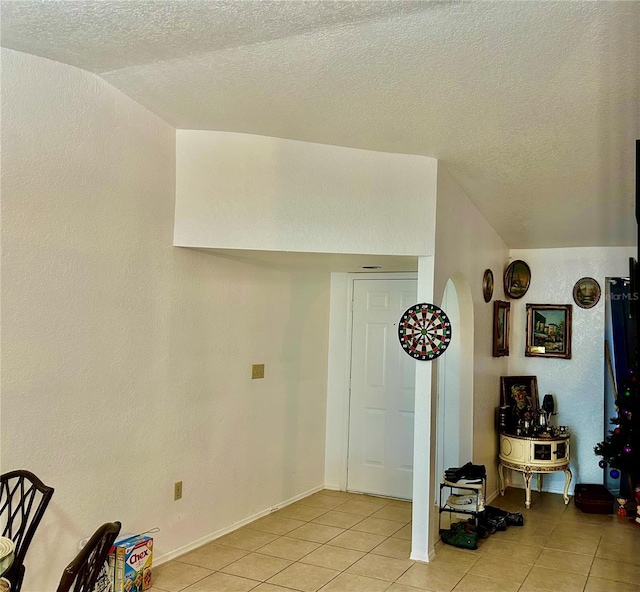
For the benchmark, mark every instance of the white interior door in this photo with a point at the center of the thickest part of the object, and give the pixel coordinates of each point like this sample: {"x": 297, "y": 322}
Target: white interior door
{"x": 382, "y": 397}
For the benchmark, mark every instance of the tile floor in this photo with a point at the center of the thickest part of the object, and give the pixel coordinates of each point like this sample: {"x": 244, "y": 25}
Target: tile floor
{"x": 339, "y": 542}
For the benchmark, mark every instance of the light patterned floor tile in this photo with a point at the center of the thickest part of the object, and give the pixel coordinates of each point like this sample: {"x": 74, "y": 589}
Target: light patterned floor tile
{"x": 221, "y": 582}
{"x": 401, "y": 504}
{"x": 395, "y": 587}
{"x": 404, "y": 533}
{"x": 322, "y": 501}
{"x": 339, "y": 519}
{"x": 289, "y": 548}
{"x": 175, "y": 575}
{"x": 256, "y": 566}
{"x": 394, "y": 513}
{"x": 427, "y": 576}
{"x": 300, "y": 512}
{"x": 572, "y": 544}
{"x": 375, "y": 499}
{"x": 506, "y": 550}
{"x": 475, "y": 583}
{"x": 396, "y": 548}
{"x": 564, "y": 530}
{"x": 275, "y": 524}
{"x": 621, "y": 532}
{"x": 264, "y": 587}
{"x": 348, "y": 582}
{"x": 629, "y": 552}
{"x": 359, "y": 507}
{"x": 571, "y": 562}
{"x": 455, "y": 559}
{"x": 342, "y": 494}
{"x": 600, "y": 585}
{"x": 489, "y": 566}
{"x": 246, "y": 539}
{"x": 519, "y": 535}
{"x": 317, "y": 533}
{"x": 550, "y": 553}
{"x": 359, "y": 541}
{"x": 541, "y": 579}
{"x": 213, "y": 556}
{"x": 380, "y": 568}
{"x": 333, "y": 557}
{"x": 616, "y": 571}
{"x": 378, "y": 526}
{"x": 304, "y": 577}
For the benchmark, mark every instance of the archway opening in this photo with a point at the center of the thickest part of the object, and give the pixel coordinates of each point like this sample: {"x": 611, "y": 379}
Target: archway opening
{"x": 454, "y": 429}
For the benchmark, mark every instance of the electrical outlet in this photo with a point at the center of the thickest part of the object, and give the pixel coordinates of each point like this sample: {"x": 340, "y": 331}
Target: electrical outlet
{"x": 177, "y": 490}
{"x": 257, "y": 371}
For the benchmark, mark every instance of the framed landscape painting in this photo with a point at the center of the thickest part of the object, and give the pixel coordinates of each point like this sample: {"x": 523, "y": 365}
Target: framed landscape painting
{"x": 549, "y": 330}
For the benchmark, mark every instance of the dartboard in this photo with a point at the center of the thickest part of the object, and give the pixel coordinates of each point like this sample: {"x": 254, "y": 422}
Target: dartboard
{"x": 424, "y": 331}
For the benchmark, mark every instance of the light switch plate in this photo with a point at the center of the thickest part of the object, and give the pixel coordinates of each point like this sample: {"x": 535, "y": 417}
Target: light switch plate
{"x": 257, "y": 371}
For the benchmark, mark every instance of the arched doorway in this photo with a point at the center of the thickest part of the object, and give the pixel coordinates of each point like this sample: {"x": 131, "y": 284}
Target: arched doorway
{"x": 454, "y": 431}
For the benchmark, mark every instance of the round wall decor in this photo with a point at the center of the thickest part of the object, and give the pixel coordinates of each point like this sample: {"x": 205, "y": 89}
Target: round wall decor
{"x": 424, "y": 331}
{"x": 517, "y": 278}
{"x": 586, "y": 292}
{"x": 487, "y": 285}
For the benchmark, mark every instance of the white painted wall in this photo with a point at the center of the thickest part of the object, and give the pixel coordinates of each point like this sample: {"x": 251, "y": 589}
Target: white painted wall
{"x": 339, "y": 368}
{"x": 450, "y": 367}
{"x": 126, "y": 361}
{"x": 578, "y": 383}
{"x": 240, "y": 191}
{"x": 467, "y": 245}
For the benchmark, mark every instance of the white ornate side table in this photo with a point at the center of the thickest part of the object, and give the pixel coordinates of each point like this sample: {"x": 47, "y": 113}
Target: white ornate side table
{"x": 531, "y": 456}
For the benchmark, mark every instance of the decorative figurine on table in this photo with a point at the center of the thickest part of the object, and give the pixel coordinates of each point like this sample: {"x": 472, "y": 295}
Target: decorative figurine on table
{"x": 622, "y": 511}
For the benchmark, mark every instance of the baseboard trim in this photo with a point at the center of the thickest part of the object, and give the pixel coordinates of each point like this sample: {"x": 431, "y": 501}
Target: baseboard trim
{"x": 491, "y": 497}
{"x": 423, "y": 558}
{"x": 235, "y": 526}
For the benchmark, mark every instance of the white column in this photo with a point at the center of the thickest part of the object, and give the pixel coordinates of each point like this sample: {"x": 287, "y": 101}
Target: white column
{"x": 423, "y": 452}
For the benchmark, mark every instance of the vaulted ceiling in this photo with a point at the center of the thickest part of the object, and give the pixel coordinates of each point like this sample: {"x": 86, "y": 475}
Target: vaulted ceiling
{"x": 534, "y": 107}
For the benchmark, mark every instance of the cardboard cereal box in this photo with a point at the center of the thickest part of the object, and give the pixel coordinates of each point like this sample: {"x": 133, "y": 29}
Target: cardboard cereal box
{"x": 133, "y": 557}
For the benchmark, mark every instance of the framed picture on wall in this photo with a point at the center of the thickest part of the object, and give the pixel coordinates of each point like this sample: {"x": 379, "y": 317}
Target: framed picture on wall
{"x": 517, "y": 278}
{"x": 549, "y": 330}
{"x": 487, "y": 285}
{"x": 501, "y": 312}
{"x": 520, "y": 394}
{"x": 586, "y": 292}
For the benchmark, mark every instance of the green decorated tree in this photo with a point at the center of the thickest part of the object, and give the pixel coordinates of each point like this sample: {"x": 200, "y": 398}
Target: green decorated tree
{"x": 620, "y": 450}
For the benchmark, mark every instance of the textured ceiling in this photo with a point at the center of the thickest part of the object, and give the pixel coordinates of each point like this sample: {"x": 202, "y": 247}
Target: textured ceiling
{"x": 534, "y": 107}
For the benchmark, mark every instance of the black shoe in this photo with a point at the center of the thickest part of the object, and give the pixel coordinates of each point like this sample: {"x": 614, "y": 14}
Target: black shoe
{"x": 481, "y": 528}
{"x": 471, "y": 471}
{"x": 493, "y": 512}
{"x": 454, "y": 474}
{"x": 484, "y": 527}
{"x": 515, "y": 519}
{"x": 499, "y": 523}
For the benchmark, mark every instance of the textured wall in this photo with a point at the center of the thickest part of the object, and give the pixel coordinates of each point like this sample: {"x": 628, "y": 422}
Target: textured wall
{"x": 126, "y": 361}
{"x": 578, "y": 383}
{"x": 240, "y": 191}
{"x": 467, "y": 245}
